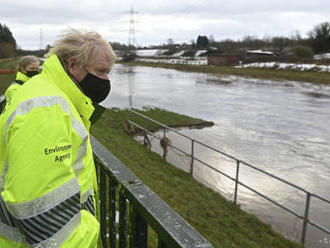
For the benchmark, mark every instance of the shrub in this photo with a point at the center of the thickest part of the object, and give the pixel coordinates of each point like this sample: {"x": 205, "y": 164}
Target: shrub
{"x": 303, "y": 52}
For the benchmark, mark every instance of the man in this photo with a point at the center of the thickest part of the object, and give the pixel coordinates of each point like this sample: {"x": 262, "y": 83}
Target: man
{"x": 47, "y": 179}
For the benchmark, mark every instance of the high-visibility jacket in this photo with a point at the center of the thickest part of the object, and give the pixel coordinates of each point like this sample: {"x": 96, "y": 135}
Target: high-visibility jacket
{"x": 47, "y": 173}
{"x": 20, "y": 79}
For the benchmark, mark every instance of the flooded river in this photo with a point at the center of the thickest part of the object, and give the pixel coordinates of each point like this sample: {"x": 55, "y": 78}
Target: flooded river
{"x": 282, "y": 127}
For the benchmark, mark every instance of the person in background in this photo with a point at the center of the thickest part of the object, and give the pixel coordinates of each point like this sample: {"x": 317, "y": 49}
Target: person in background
{"x": 48, "y": 180}
{"x": 28, "y": 66}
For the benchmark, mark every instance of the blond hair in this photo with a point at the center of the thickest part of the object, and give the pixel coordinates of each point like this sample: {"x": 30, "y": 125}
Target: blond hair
{"x": 25, "y": 61}
{"x": 82, "y": 46}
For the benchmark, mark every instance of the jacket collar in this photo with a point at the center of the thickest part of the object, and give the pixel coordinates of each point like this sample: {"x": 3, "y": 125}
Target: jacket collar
{"x": 21, "y": 77}
{"x": 53, "y": 68}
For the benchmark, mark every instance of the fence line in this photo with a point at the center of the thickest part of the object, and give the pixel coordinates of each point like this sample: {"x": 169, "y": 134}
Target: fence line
{"x": 239, "y": 163}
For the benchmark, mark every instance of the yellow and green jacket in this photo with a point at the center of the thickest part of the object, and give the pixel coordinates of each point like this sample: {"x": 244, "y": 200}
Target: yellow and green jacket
{"x": 20, "y": 80}
{"x": 47, "y": 172}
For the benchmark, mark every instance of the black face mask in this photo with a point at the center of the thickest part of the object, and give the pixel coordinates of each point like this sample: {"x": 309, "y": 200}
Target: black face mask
{"x": 97, "y": 89}
{"x": 31, "y": 73}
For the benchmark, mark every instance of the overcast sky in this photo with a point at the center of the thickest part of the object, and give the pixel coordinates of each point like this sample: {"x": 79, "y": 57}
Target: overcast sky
{"x": 159, "y": 20}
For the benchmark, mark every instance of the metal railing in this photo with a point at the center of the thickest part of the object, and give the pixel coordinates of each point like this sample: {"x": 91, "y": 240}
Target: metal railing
{"x": 129, "y": 208}
{"x": 239, "y": 163}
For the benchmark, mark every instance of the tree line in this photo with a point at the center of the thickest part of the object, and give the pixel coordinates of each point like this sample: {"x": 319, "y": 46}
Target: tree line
{"x": 7, "y": 42}
{"x": 318, "y": 41}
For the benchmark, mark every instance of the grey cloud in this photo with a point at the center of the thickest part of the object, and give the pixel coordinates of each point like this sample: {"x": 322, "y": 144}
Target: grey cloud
{"x": 156, "y": 21}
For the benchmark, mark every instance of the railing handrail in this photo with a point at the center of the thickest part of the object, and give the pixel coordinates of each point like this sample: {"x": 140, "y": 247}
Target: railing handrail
{"x": 173, "y": 229}
{"x": 239, "y": 162}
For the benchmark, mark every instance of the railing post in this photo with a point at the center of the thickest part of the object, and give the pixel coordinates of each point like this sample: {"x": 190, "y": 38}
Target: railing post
{"x": 112, "y": 210}
{"x": 161, "y": 244}
{"x": 304, "y": 229}
{"x": 164, "y": 146}
{"x": 236, "y": 181}
{"x": 192, "y": 158}
{"x": 122, "y": 220}
{"x": 139, "y": 230}
{"x": 103, "y": 183}
{"x": 144, "y": 133}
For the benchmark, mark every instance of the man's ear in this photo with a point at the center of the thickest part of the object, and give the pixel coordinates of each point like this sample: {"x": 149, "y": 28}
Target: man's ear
{"x": 71, "y": 65}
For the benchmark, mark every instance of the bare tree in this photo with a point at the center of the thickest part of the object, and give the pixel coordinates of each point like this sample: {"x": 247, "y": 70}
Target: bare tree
{"x": 320, "y": 37}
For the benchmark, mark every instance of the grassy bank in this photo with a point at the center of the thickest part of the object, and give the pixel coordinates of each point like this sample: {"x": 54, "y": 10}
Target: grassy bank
{"x": 218, "y": 220}
{"x": 305, "y": 76}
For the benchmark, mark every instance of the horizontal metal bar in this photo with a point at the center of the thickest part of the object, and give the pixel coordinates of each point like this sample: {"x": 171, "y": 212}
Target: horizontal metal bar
{"x": 216, "y": 150}
{"x": 253, "y": 167}
{"x": 178, "y": 149}
{"x": 271, "y": 200}
{"x": 324, "y": 229}
{"x": 209, "y": 166}
{"x": 276, "y": 177}
{"x": 320, "y": 198}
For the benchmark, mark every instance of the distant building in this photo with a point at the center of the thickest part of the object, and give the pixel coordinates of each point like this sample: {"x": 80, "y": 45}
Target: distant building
{"x": 250, "y": 56}
{"x": 223, "y": 59}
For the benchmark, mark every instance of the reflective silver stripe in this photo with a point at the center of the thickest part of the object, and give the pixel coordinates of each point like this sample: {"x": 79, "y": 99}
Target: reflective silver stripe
{"x": 82, "y": 149}
{"x": 49, "y": 101}
{"x": 45, "y": 225}
{"x": 3, "y": 173}
{"x": 45, "y": 202}
{"x": 62, "y": 235}
{"x": 11, "y": 233}
{"x": 85, "y": 195}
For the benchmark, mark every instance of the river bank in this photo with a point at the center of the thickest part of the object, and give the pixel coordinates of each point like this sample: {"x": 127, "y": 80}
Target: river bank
{"x": 264, "y": 73}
